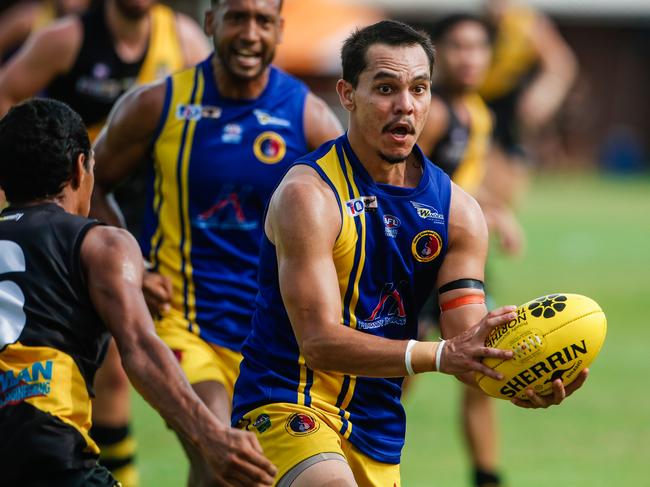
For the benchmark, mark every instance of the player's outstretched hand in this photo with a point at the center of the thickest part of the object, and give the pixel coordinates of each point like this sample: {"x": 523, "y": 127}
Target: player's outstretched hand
{"x": 237, "y": 459}
{"x": 462, "y": 354}
{"x": 560, "y": 393}
{"x": 157, "y": 290}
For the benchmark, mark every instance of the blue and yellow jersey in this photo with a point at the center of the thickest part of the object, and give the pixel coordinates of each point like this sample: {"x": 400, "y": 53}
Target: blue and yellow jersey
{"x": 462, "y": 151}
{"x": 513, "y": 55}
{"x": 215, "y": 163}
{"x": 391, "y": 244}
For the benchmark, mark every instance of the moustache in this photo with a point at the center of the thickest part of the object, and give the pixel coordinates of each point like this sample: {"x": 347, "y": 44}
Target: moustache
{"x": 407, "y": 124}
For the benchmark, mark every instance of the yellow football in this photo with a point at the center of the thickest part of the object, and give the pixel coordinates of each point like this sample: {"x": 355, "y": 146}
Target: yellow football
{"x": 553, "y": 337}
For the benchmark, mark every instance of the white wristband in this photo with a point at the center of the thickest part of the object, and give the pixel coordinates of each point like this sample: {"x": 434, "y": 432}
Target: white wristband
{"x": 407, "y": 357}
{"x": 439, "y": 354}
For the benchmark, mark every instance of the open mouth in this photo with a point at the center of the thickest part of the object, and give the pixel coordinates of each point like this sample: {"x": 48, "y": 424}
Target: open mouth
{"x": 247, "y": 58}
{"x": 400, "y": 131}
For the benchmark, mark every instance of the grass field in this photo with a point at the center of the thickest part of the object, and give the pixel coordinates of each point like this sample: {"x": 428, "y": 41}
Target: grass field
{"x": 585, "y": 235}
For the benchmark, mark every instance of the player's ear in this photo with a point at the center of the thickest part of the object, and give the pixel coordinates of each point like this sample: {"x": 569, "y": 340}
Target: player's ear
{"x": 346, "y": 94}
{"x": 78, "y": 171}
{"x": 208, "y": 20}
{"x": 280, "y": 30}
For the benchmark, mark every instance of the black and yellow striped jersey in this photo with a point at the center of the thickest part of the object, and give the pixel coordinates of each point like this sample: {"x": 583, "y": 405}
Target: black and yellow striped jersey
{"x": 51, "y": 343}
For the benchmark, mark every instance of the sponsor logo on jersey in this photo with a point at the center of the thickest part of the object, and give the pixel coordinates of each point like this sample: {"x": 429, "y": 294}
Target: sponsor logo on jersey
{"x": 262, "y": 423}
{"x": 101, "y": 71}
{"x": 388, "y": 311}
{"x": 301, "y": 424}
{"x": 33, "y": 381}
{"x": 269, "y": 147}
{"x": 232, "y": 133}
{"x": 196, "y": 112}
{"x": 391, "y": 224}
{"x": 15, "y": 217}
{"x": 358, "y": 206}
{"x": 426, "y": 246}
{"x": 428, "y": 212}
{"x": 229, "y": 210}
{"x": 264, "y": 118}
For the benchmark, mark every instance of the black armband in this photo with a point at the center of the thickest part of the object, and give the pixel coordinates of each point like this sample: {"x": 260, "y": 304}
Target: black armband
{"x": 462, "y": 284}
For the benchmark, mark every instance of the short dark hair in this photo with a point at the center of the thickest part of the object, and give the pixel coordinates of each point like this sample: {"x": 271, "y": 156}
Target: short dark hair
{"x": 445, "y": 24}
{"x": 40, "y": 142}
{"x": 391, "y": 32}
{"x": 215, "y": 3}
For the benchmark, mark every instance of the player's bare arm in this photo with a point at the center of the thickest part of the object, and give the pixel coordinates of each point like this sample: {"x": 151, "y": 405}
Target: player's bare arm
{"x": 123, "y": 145}
{"x": 194, "y": 44}
{"x": 44, "y": 56}
{"x": 303, "y": 223}
{"x": 465, "y": 259}
{"x": 558, "y": 70}
{"x": 113, "y": 269}
{"x": 320, "y": 122}
{"x": 16, "y": 23}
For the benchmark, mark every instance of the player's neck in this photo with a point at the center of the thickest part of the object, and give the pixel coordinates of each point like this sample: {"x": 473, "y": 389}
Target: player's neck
{"x": 237, "y": 89}
{"x": 64, "y": 199}
{"x": 405, "y": 174}
{"x": 130, "y": 36}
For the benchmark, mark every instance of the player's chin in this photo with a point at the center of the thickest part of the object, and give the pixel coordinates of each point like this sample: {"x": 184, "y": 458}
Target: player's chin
{"x": 395, "y": 153}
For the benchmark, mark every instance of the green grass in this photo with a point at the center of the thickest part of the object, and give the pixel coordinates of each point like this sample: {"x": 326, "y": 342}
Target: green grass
{"x": 585, "y": 235}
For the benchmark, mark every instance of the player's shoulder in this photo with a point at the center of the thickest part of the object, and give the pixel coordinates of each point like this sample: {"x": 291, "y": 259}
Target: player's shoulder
{"x": 465, "y": 214}
{"x": 103, "y": 242}
{"x": 65, "y": 33}
{"x": 141, "y": 104}
{"x": 193, "y": 41}
{"x": 303, "y": 202}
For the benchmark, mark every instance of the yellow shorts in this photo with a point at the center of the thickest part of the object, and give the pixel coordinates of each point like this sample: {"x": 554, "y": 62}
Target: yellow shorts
{"x": 201, "y": 361}
{"x": 290, "y": 434}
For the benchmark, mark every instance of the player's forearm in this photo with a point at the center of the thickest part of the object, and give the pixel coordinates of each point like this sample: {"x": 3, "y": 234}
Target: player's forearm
{"x": 352, "y": 352}
{"x": 105, "y": 208}
{"x": 156, "y": 375}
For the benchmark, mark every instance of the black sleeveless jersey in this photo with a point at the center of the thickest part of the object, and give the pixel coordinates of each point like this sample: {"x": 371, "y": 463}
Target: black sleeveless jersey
{"x": 51, "y": 342}
{"x": 99, "y": 77}
{"x": 449, "y": 151}
{"x": 57, "y": 310}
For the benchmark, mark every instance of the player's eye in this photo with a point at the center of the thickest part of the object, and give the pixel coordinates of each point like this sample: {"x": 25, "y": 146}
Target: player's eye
{"x": 420, "y": 89}
{"x": 264, "y": 21}
{"x": 385, "y": 89}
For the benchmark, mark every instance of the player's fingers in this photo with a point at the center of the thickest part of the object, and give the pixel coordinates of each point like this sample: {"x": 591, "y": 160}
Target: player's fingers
{"x": 255, "y": 444}
{"x": 488, "y": 352}
{"x": 249, "y": 465}
{"x": 522, "y": 403}
{"x": 577, "y": 384}
{"x": 499, "y": 317}
{"x": 537, "y": 401}
{"x": 263, "y": 463}
{"x": 485, "y": 370}
{"x": 559, "y": 393}
{"x": 167, "y": 284}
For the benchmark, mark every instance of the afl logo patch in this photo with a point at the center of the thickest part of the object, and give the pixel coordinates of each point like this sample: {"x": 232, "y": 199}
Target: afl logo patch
{"x": 269, "y": 147}
{"x": 426, "y": 246}
{"x": 300, "y": 424}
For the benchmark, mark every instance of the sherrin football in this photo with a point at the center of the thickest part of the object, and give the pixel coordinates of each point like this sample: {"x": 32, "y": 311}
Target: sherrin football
{"x": 553, "y": 337}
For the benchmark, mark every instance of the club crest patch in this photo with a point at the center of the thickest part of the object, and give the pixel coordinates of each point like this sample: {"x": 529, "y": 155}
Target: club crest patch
{"x": 269, "y": 147}
{"x": 426, "y": 246}
{"x": 300, "y": 424}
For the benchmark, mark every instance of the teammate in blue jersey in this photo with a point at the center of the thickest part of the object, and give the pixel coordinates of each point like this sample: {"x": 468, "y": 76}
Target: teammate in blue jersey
{"x": 356, "y": 236}
{"x": 219, "y": 137}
